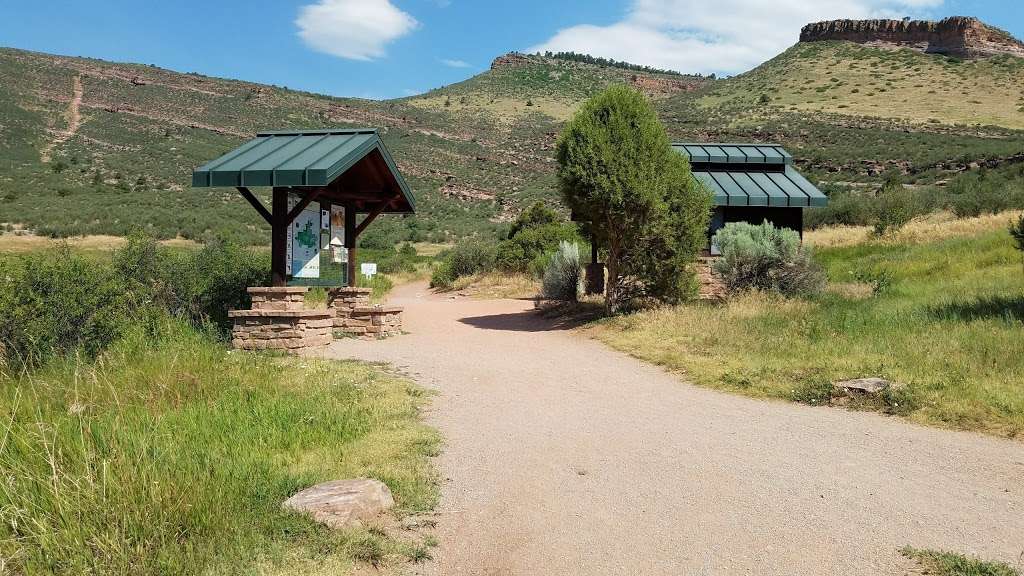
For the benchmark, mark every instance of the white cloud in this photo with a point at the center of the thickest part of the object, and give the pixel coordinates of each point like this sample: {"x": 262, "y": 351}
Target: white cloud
{"x": 456, "y": 63}
{"x": 722, "y": 36}
{"x": 353, "y": 29}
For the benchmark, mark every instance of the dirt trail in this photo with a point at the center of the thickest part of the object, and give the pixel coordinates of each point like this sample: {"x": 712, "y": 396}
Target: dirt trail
{"x": 73, "y": 116}
{"x": 565, "y": 457}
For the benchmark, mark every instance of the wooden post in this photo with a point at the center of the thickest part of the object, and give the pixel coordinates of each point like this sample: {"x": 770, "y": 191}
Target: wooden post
{"x": 595, "y": 271}
{"x": 279, "y": 239}
{"x": 350, "y": 241}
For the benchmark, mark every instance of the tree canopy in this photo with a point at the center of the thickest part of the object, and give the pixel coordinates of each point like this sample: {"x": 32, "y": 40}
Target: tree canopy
{"x": 619, "y": 172}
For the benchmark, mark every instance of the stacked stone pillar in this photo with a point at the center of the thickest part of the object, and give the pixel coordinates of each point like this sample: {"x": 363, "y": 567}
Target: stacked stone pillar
{"x": 711, "y": 285}
{"x": 354, "y": 315}
{"x": 279, "y": 320}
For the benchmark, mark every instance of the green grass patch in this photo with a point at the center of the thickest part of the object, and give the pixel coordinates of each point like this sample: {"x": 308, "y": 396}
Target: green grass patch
{"x": 946, "y": 326}
{"x": 949, "y": 564}
{"x": 170, "y": 455}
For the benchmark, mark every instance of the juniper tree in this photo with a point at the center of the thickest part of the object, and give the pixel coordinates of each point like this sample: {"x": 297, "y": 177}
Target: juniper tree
{"x": 619, "y": 173}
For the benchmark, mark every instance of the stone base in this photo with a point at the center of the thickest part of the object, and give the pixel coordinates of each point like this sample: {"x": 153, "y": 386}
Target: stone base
{"x": 371, "y": 322}
{"x": 279, "y": 321}
{"x": 711, "y": 285}
{"x": 354, "y": 316}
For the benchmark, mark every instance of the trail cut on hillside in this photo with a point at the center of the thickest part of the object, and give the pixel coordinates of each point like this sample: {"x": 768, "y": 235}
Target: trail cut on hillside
{"x": 73, "y": 116}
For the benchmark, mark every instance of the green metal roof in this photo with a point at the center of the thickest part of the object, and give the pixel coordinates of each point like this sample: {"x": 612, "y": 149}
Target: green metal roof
{"x": 750, "y": 175}
{"x": 305, "y": 158}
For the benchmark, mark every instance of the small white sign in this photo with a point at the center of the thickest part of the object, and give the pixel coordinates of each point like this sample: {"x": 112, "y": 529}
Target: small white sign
{"x": 368, "y": 268}
{"x": 325, "y": 220}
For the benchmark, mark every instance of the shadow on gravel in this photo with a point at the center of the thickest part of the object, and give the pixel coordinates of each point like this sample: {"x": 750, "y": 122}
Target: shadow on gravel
{"x": 528, "y": 321}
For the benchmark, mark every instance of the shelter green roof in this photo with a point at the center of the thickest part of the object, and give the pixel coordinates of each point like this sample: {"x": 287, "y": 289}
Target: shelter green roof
{"x": 309, "y": 159}
{"x": 750, "y": 175}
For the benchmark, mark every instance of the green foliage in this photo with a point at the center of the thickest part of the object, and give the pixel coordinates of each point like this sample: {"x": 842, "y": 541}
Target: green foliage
{"x": 955, "y": 298}
{"x": 617, "y": 170}
{"x": 1017, "y": 233}
{"x": 763, "y": 257}
{"x": 57, "y": 303}
{"x": 171, "y": 455}
{"x": 951, "y": 564}
{"x": 198, "y": 286}
{"x": 516, "y": 253}
{"x": 563, "y": 277}
{"x": 599, "y": 61}
{"x": 538, "y": 214}
{"x": 464, "y": 259}
{"x": 894, "y": 207}
{"x": 60, "y": 302}
{"x": 816, "y": 392}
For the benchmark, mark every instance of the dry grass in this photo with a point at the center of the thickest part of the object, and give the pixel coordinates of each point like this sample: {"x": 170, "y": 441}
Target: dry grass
{"x": 22, "y": 243}
{"x": 929, "y": 228}
{"x": 947, "y": 326}
{"x": 864, "y": 81}
{"x": 503, "y": 109}
{"x": 497, "y": 285}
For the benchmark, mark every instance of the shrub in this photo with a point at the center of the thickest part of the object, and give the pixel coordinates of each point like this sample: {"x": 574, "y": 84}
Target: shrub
{"x": 618, "y": 171}
{"x": 516, "y": 253}
{"x": 197, "y": 286}
{"x": 563, "y": 277}
{"x": 762, "y": 257}
{"x": 464, "y": 259}
{"x": 59, "y": 302}
{"x": 894, "y": 207}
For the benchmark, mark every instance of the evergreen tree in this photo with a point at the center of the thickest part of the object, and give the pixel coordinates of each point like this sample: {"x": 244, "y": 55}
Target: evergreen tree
{"x": 619, "y": 172}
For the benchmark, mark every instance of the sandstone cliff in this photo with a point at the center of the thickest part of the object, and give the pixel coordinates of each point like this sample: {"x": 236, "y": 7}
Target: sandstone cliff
{"x": 957, "y": 36}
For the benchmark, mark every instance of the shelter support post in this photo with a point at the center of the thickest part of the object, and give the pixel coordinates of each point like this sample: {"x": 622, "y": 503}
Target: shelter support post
{"x": 279, "y": 238}
{"x": 350, "y": 241}
{"x": 595, "y": 271}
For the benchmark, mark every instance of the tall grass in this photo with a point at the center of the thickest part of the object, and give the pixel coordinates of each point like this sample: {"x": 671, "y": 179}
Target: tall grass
{"x": 169, "y": 454}
{"x": 946, "y": 324}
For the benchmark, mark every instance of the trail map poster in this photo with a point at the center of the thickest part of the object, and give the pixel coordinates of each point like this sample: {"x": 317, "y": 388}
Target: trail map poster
{"x": 304, "y": 242}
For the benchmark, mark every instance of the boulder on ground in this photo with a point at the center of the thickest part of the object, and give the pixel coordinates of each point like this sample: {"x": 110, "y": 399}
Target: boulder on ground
{"x": 342, "y": 503}
{"x": 863, "y": 385}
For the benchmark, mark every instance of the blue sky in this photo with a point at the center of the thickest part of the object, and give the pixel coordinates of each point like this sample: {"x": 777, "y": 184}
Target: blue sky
{"x": 393, "y": 48}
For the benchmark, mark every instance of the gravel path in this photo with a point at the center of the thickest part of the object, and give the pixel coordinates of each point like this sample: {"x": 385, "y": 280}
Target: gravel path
{"x": 565, "y": 457}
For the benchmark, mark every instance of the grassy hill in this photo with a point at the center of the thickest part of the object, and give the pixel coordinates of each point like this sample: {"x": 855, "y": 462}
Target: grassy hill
{"x": 92, "y": 147}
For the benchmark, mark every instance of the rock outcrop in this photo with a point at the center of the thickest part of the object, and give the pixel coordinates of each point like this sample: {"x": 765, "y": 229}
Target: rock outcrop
{"x": 958, "y": 36}
{"x": 510, "y": 60}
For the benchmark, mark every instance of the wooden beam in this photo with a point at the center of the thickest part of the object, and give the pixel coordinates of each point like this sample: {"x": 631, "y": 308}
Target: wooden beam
{"x": 374, "y": 213}
{"x": 256, "y": 204}
{"x": 303, "y": 203}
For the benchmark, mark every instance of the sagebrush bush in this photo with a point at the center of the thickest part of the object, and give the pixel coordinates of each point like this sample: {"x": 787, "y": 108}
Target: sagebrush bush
{"x": 763, "y": 257}
{"x": 563, "y": 277}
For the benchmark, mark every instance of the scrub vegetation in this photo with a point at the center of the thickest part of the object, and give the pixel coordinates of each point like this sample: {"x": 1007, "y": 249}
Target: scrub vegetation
{"x": 941, "y": 318}
{"x": 481, "y": 151}
{"x": 133, "y": 441}
{"x": 950, "y": 564}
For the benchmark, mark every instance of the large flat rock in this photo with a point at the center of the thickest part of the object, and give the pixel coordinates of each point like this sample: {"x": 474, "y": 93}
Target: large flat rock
{"x": 343, "y": 503}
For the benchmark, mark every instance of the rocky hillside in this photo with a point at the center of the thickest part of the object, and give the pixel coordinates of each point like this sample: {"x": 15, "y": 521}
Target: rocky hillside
{"x": 958, "y": 36}
{"x": 98, "y": 147}
{"x": 90, "y": 147}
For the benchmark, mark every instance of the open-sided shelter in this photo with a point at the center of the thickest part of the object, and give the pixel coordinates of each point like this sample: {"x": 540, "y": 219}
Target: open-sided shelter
{"x": 751, "y": 183}
{"x": 350, "y": 168}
